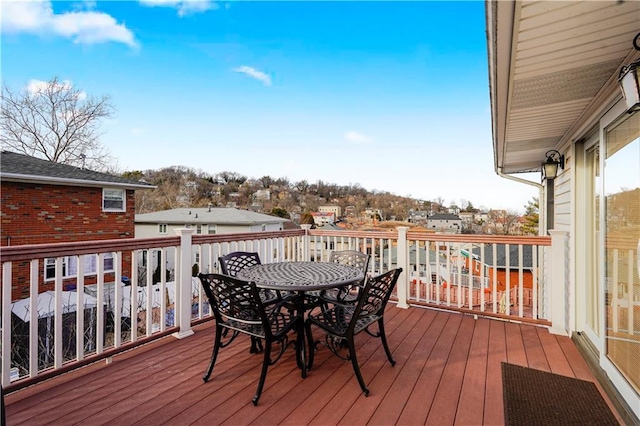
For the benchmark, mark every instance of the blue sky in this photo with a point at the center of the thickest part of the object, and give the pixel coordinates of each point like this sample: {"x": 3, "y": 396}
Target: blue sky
{"x": 393, "y": 96}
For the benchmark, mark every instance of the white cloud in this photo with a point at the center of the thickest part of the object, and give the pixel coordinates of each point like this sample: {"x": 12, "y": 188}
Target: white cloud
{"x": 356, "y": 137}
{"x": 254, "y": 73}
{"x": 85, "y": 27}
{"x": 36, "y": 86}
{"x": 184, "y": 7}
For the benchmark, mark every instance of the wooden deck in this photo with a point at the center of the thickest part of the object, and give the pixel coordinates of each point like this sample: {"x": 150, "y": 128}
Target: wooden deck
{"x": 447, "y": 372}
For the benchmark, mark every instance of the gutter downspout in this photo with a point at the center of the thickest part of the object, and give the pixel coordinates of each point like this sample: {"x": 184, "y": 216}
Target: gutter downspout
{"x": 541, "y": 212}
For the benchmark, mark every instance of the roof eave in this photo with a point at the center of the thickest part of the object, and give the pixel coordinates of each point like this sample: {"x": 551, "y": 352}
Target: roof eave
{"x": 16, "y": 177}
{"x": 500, "y": 18}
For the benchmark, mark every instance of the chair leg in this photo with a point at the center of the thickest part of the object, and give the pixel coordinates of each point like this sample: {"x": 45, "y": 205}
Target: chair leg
{"x": 383, "y": 337}
{"x": 256, "y": 345}
{"x": 214, "y": 355}
{"x": 356, "y": 368}
{"x": 310, "y": 343}
{"x": 263, "y": 374}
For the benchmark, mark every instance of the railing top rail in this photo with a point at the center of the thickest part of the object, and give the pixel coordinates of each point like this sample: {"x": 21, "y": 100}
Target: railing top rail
{"x": 355, "y": 234}
{"x": 39, "y": 251}
{"x": 422, "y": 236}
{"x": 474, "y": 238}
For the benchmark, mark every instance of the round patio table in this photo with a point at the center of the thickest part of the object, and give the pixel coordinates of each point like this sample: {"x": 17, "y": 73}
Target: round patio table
{"x": 301, "y": 277}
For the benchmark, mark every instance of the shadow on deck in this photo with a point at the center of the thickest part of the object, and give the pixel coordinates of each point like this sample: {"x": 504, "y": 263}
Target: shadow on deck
{"x": 448, "y": 371}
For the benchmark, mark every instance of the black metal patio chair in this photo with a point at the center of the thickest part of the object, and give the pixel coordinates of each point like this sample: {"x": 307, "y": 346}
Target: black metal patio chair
{"x": 342, "y": 323}
{"x": 347, "y": 294}
{"x": 232, "y": 263}
{"x": 237, "y": 307}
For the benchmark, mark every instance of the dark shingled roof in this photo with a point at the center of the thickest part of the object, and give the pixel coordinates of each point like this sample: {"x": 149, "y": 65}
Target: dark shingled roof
{"x": 444, "y": 216}
{"x": 514, "y": 258}
{"x": 20, "y": 167}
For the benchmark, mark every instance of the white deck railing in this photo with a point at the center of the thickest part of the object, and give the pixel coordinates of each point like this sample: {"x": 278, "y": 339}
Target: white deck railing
{"x": 134, "y": 290}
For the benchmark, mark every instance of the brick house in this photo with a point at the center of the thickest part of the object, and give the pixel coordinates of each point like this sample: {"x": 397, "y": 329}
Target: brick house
{"x": 47, "y": 202}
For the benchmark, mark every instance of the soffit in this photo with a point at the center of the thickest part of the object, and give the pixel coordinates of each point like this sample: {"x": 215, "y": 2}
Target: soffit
{"x": 546, "y": 67}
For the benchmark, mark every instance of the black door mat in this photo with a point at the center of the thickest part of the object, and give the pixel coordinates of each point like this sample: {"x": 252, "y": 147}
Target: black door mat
{"x": 534, "y": 397}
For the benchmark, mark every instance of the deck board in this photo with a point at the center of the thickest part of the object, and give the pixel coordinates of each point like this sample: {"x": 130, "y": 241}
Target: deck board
{"x": 443, "y": 411}
{"x": 421, "y": 400}
{"x": 448, "y": 371}
{"x": 497, "y": 354}
{"x": 470, "y": 409}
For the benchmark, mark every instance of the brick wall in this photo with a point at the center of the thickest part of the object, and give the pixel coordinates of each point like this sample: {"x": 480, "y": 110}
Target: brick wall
{"x": 38, "y": 214}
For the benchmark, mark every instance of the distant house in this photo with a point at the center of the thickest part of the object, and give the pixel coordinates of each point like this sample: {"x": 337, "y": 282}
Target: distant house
{"x": 321, "y": 218}
{"x": 418, "y": 216}
{"x": 500, "y": 265}
{"x": 205, "y": 220}
{"x": 445, "y": 222}
{"x": 262, "y": 195}
{"x": 47, "y": 202}
{"x": 336, "y": 210}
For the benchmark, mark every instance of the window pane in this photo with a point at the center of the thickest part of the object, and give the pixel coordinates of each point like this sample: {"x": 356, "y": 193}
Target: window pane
{"x": 70, "y": 266}
{"x": 108, "y": 262}
{"x": 113, "y": 199}
{"x": 49, "y": 268}
{"x": 622, "y": 246}
{"x": 90, "y": 264}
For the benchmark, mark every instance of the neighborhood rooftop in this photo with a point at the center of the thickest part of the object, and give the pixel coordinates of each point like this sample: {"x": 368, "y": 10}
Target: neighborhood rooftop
{"x": 208, "y": 215}
{"x": 24, "y": 168}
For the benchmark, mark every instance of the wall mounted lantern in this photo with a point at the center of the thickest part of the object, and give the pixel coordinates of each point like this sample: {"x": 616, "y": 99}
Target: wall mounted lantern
{"x": 550, "y": 166}
{"x": 629, "y": 80}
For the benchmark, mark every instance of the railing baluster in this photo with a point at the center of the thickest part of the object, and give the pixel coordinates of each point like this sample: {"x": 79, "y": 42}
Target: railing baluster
{"x": 483, "y": 287}
{"x": 100, "y": 302}
{"x": 5, "y": 331}
{"x": 80, "y": 314}
{"x": 536, "y": 285}
{"x": 33, "y": 320}
{"x": 520, "y": 281}
{"x": 57, "y": 317}
{"x": 507, "y": 274}
{"x": 495, "y": 279}
{"x": 118, "y": 305}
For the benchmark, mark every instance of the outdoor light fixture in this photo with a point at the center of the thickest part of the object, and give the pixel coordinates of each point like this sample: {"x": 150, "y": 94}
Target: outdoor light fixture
{"x": 629, "y": 80}
{"x": 550, "y": 166}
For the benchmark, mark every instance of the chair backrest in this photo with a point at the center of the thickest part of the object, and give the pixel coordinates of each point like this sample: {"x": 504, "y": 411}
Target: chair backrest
{"x": 351, "y": 258}
{"x": 376, "y": 293}
{"x": 234, "y": 300}
{"x": 236, "y": 261}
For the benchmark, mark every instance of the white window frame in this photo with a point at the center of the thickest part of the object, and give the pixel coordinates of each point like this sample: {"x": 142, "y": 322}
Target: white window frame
{"x": 111, "y": 195}
{"x": 70, "y": 266}
{"x": 213, "y": 229}
{"x": 163, "y": 228}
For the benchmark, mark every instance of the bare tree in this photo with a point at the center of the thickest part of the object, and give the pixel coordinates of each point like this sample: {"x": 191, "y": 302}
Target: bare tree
{"x": 57, "y": 122}
{"x": 502, "y": 222}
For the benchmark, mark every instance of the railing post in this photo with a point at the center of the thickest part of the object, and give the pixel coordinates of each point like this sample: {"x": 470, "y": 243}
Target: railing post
{"x": 306, "y": 242}
{"x": 184, "y": 297}
{"x": 557, "y": 285}
{"x": 403, "y": 262}
{"x": 5, "y": 330}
